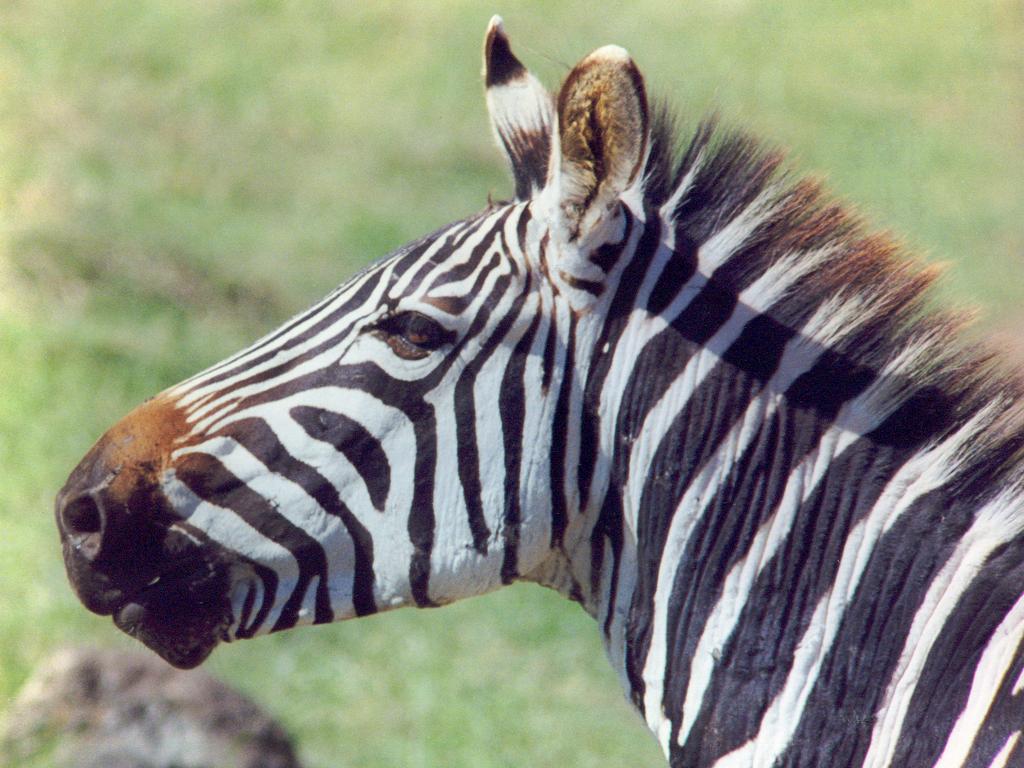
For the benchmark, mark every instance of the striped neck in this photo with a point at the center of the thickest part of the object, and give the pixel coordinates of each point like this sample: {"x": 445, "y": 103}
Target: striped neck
{"x": 767, "y": 457}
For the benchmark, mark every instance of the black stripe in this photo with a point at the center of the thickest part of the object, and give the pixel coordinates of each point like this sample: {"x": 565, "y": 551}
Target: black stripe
{"x": 616, "y": 320}
{"x": 549, "y": 357}
{"x": 609, "y": 527}
{"x": 838, "y": 718}
{"x": 404, "y": 257}
{"x": 750, "y": 492}
{"x": 512, "y": 397}
{"x": 651, "y": 377}
{"x": 1006, "y": 715}
{"x": 421, "y": 515}
{"x": 209, "y": 479}
{"x": 354, "y": 442}
{"x": 607, "y": 255}
{"x": 261, "y": 441}
{"x": 738, "y": 171}
{"x": 677, "y": 271}
{"x": 269, "y": 579}
{"x": 830, "y": 382}
{"x": 465, "y": 406}
{"x": 945, "y": 680}
{"x": 464, "y": 269}
{"x": 560, "y": 438}
{"x": 522, "y": 224}
{"x": 592, "y": 287}
{"x": 408, "y": 397}
{"x": 455, "y": 236}
{"x": 758, "y": 657}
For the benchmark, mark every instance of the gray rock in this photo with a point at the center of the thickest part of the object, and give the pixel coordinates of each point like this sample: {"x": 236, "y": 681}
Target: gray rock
{"x": 93, "y": 708}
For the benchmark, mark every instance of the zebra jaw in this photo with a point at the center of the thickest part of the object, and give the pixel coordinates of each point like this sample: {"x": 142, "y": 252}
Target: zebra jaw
{"x": 163, "y": 617}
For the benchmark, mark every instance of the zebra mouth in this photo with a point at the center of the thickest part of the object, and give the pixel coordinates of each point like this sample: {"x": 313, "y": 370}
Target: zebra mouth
{"x": 181, "y": 615}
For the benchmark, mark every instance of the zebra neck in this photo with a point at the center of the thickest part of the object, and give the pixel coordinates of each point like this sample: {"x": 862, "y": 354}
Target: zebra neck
{"x": 753, "y": 521}
{"x": 787, "y": 493}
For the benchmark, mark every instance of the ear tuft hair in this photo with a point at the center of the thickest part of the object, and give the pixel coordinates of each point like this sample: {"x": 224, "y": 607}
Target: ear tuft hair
{"x": 603, "y": 128}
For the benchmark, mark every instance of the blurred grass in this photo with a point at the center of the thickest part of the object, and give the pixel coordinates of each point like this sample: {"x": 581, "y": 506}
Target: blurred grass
{"x": 176, "y": 178}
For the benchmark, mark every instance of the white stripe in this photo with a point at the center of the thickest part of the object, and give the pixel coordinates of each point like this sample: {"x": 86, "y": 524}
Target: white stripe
{"x": 996, "y": 522}
{"x": 616, "y": 640}
{"x": 482, "y": 229}
{"x": 535, "y": 473}
{"x": 218, "y": 413}
{"x": 623, "y": 362}
{"x": 824, "y": 328}
{"x": 296, "y": 506}
{"x": 354, "y": 404}
{"x": 202, "y": 416}
{"x": 257, "y": 603}
{"x": 855, "y": 418}
{"x": 667, "y": 210}
{"x": 462, "y": 288}
{"x": 193, "y": 389}
{"x": 725, "y": 242}
{"x": 291, "y": 501}
{"x": 999, "y": 761}
{"x": 988, "y": 675}
{"x": 182, "y": 390}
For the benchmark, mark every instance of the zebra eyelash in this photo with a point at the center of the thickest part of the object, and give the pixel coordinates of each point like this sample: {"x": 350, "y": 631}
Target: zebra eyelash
{"x": 412, "y": 335}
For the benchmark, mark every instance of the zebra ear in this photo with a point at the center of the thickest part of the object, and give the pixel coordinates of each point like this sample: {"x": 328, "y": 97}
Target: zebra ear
{"x": 602, "y": 126}
{"x": 521, "y": 111}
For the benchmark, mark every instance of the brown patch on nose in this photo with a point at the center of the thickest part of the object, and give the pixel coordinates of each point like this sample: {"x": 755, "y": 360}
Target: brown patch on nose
{"x": 137, "y": 450}
{"x": 118, "y": 480}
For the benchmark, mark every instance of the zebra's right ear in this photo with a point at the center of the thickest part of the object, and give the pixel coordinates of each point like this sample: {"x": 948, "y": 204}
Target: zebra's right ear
{"x": 522, "y": 113}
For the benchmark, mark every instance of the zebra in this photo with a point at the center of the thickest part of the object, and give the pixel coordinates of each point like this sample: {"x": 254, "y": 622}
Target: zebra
{"x": 686, "y": 390}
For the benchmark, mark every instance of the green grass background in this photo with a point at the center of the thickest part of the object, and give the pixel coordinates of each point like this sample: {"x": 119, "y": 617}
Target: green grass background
{"x": 178, "y": 177}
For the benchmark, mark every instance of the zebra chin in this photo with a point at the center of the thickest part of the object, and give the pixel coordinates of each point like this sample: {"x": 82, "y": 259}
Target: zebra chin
{"x": 176, "y": 625}
{"x": 180, "y": 605}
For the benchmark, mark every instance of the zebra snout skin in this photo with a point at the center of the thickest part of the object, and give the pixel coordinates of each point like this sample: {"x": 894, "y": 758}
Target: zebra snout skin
{"x": 130, "y": 555}
{"x": 109, "y": 518}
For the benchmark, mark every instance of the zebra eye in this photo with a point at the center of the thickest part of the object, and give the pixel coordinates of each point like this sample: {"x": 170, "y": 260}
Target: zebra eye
{"x": 411, "y": 335}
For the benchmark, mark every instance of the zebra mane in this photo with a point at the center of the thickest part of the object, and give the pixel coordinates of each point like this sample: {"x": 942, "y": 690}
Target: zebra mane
{"x": 721, "y": 174}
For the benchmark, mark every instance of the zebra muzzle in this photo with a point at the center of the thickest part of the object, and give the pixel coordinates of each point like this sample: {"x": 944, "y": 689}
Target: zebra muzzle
{"x": 130, "y": 555}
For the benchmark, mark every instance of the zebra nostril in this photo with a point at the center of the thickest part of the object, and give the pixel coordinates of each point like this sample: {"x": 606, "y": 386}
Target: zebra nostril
{"x": 81, "y": 516}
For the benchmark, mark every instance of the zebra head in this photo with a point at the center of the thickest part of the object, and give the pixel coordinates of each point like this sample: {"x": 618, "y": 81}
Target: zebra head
{"x": 404, "y": 441}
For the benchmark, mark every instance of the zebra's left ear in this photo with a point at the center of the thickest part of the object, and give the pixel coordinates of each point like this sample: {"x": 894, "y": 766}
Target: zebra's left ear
{"x": 521, "y": 111}
{"x": 602, "y": 132}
